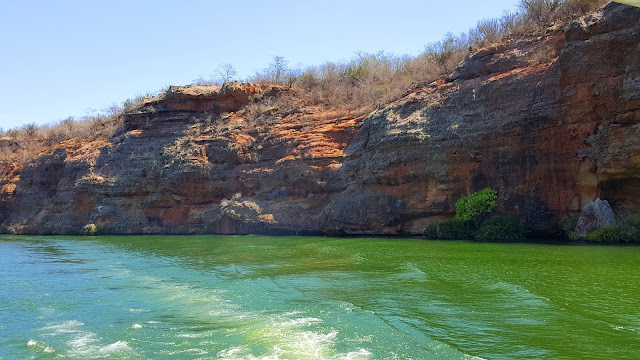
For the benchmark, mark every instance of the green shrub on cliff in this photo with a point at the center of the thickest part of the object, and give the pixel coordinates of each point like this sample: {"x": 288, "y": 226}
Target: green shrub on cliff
{"x": 476, "y": 206}
{"x": 470, "y": 212}
{"x": 501, "y": 228}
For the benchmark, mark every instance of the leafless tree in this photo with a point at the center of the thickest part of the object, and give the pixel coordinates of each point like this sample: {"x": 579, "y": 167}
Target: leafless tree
{"x": 511, "y": 23}
{"x": 278, "y": 68}
{"x": 225, "y": 73}
{"x": 441, "y": 52}
{"x": 487, "y": 31}
{"x": 68, "y": 123}
{"x": 30, "y": 131}
{"x": 540, "y": 12}
{"x": 291, "y": 76}
{"x": 113, "y": 110}
{"x": 572, "y": 8}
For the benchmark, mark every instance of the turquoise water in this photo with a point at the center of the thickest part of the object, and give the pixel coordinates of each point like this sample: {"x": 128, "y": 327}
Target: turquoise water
{"x": 252, "y": 297}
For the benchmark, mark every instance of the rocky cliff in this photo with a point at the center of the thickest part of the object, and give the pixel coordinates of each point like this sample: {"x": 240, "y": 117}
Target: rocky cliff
{"x": 549, "y": 122}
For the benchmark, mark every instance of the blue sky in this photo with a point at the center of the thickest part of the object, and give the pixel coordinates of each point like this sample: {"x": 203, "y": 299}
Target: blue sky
{"x": 61, "y": 58}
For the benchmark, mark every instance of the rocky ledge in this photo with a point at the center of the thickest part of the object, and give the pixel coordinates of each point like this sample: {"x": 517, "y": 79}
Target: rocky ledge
{"x": 551, "y": 123}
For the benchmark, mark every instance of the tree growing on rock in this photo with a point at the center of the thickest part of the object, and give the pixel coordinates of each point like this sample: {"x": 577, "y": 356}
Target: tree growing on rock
{"x": 475, "y": 207}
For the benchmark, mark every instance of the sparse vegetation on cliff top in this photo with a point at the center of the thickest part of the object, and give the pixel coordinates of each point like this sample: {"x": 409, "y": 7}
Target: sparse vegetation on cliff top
{"x": 365, "y": 82}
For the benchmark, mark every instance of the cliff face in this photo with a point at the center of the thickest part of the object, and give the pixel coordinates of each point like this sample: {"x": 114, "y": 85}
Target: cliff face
{"x": 551, "y": 123}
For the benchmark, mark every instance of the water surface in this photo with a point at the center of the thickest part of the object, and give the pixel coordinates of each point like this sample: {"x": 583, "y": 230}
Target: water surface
{"x": 253, "y": 297}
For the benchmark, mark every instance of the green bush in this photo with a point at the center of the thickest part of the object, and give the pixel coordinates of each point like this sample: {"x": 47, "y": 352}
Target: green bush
{"x": 632, "y": 221}
{"x": 450, "y": 230}
{"x": 628, "y": 233}
{"x": 501, "y": 228}
{"x": 476, "y": 206}
{"x": 432, "y": 231}
{"x": 627, "y": 230}
{"x": 568, "y": 225}
{"x": 605, "y": 234}
{"x": 630, "y": 228}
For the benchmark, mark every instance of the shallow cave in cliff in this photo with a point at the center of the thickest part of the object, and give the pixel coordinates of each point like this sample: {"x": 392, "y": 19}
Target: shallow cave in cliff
{"x": 621, "y": 192}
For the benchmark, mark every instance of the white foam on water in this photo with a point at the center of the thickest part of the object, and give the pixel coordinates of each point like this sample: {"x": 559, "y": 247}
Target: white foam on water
{"x": 361, "y": 339}
{"x": 411, "y": 271}
{"x": 349, "y": 307}
{"x": 82, "y": 344}
{"x": 623, "y": 328}
{"x": 136, "y": 326}
{"x": 294, "y": 338}
{"x": 315, "y": 343}
{"x": 305, "y": 344}
{"x": 86, "y": 346}
{"x": 229, "y": 310}
{"x": 291, "y": 336}
{"x": 40, "y": 346}
{"x": 355, "y": 355}
{"x": 137, "y": 310}
{"x": 117, "y": 347}
{"x": 195, "y": 335}
{"x": 292, "y": 313}
{"x": 65, "y": 327}
{"x": 193, "y": 351}
{"x": 240, "y": 353}
{"x": 230, "y": 353}
{"x": 302, "y": 322}
{"x": 46, "y": 311}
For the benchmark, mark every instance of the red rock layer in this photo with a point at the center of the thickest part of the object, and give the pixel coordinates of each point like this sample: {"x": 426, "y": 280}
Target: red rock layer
{"x": 551, "y": 123}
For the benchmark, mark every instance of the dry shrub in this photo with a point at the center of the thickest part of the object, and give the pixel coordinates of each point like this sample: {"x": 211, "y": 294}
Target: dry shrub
{"x": 540, "y": 14}
{"x": 370, "y": 80}
{"x": 26, "y": 142}
{"x": 488, "y": 31}
{"x": 572, "y": 9}
{"x": 365, "y": 82}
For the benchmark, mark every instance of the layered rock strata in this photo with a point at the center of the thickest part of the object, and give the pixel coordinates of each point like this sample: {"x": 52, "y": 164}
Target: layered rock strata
{"x": 550, "y": 122}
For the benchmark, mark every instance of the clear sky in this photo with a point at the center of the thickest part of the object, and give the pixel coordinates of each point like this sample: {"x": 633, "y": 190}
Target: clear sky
{"x": 61, "y": 58}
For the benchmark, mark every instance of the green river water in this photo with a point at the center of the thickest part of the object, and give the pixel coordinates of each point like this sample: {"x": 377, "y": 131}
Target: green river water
{"x": 257, "y": 297}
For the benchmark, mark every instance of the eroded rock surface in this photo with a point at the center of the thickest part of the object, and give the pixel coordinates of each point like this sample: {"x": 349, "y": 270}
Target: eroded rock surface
{"x": 595, "y": 215}
{"x": 551, "y": 123}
